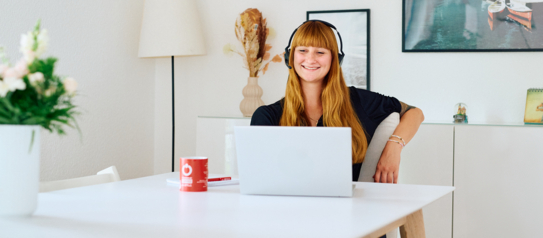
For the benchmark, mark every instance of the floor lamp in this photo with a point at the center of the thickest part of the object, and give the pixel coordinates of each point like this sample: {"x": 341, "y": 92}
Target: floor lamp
{"x": 171, "y": 28}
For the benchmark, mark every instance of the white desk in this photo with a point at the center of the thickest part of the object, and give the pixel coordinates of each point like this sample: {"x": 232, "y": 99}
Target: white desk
{"x": 148, "y": 207}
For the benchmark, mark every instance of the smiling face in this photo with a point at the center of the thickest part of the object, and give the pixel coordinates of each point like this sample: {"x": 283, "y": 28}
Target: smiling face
{"x": 312, "y": 63}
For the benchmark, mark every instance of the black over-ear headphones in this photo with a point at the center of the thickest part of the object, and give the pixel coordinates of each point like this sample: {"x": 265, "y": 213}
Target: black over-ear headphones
{"x": 340, "y": 53}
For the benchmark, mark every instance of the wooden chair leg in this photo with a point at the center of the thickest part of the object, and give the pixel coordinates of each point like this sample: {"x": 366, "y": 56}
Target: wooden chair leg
{"x": 414, "y": 226}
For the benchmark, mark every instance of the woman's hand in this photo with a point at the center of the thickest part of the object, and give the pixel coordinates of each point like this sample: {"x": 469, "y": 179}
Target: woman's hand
{"x": 389, "y": 164}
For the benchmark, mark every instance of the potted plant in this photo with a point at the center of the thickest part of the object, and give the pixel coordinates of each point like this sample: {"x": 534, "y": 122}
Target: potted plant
{"x": 31, "y": 96}
{"x": 252, "y": 31}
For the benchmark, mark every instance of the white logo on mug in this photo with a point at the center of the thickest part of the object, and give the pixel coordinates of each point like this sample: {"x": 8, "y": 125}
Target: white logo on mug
{"x": 183, "y": 170}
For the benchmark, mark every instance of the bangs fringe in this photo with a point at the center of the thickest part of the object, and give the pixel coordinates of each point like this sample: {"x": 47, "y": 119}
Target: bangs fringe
{"x": 313, "y": 34}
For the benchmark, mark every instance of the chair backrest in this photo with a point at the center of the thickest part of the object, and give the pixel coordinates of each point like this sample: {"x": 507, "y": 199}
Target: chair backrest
{"x": 375, "y": 149}
{"x": 376, "y": 146}
{"x": 104, "y": 176}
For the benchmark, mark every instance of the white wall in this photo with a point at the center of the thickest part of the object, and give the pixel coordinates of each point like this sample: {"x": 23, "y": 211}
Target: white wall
{"x": 96, "y": 42}
{"x": 126, "y": 115}
{"x": 493, "y": 85}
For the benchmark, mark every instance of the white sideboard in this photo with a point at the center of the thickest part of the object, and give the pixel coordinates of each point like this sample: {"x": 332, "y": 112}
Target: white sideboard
{"x": 428, "y": 160}
{"x": 496, "y": 170}
{"x": 498, "y": 175}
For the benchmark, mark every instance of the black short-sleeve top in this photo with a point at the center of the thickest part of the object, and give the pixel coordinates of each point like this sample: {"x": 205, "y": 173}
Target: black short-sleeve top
{"x": 370, "y": 107}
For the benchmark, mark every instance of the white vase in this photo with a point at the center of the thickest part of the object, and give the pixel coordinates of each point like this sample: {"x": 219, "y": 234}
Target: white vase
{"x": 19, "y": 169}
{"x": 252, "y": 94}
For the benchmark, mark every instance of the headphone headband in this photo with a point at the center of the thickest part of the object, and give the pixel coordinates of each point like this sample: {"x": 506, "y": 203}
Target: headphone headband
{"x": 287, "y": 50}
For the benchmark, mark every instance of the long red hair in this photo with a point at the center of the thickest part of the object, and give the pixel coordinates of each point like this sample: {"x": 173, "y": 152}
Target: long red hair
{"x": 336, "y": 100}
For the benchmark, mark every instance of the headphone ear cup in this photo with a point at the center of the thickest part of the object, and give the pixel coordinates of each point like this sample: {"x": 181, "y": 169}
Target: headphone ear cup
{"x": 340, "y": 58}
{"x": 286, "y": 56}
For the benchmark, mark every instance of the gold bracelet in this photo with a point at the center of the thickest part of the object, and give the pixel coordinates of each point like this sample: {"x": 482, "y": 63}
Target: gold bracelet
{"x": 400, "y": 143}
{"x": 398, "y": 138}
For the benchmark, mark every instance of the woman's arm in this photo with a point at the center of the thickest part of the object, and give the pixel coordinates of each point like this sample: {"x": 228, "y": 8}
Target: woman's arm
{"x": 389, "y": 163}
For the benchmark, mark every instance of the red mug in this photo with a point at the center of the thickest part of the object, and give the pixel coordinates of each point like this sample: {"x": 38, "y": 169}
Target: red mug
{"x": 193, "y": 174}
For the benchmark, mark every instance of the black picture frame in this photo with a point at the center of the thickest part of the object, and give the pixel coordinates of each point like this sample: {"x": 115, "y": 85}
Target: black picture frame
{"x": 353, "y": 49}
{"x": 490, "y": 29}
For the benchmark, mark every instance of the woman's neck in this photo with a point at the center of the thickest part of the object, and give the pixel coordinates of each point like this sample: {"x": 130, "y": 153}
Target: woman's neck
{"x": 312, "y": 99}
{"x": 312, "y": 94}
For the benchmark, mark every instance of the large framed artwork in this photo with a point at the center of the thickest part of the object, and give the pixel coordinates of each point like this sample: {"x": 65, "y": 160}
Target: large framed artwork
{"x": 354, "y": 28}
{"x": 472, "y": 25}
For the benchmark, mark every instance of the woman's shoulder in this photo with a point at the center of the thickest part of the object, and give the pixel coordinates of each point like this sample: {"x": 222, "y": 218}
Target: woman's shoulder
{"x": 366, "y": 95}
{"x": 362, "y": 92}
{"x": 276, "y": 107}
{"x": 374, "y": 104}
{"x": 268, "y": 114}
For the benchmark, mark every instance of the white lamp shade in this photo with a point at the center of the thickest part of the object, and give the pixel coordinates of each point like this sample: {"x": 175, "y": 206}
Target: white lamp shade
{"x": 170, "y": 28}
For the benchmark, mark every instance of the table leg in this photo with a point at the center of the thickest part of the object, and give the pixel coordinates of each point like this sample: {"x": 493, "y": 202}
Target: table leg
{"x": 411, "y": 226}
{"x": 384, "y": 230}
{"x": 414, "y": 226}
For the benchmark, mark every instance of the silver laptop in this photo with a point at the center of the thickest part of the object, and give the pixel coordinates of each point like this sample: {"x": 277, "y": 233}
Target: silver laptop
{"x": 300, "y": 161}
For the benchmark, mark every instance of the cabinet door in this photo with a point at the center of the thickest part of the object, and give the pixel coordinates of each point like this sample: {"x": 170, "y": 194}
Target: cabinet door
{"x": 428, "y": 160}
{"x": 499, "y": 181}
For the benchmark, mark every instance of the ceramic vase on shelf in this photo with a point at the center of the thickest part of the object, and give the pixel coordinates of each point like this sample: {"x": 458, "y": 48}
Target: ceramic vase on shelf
{"x": 19, "y": 169}
{"x": 252, "y": 94}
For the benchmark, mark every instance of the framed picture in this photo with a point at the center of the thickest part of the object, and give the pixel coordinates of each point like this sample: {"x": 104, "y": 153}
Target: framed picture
{"x": 472, "y": 25}
{"x": 534, "y": 106}
{"x": 354, "y": 28}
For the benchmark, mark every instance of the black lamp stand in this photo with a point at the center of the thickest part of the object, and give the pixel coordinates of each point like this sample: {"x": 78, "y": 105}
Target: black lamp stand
{"x": 173, "y": 121}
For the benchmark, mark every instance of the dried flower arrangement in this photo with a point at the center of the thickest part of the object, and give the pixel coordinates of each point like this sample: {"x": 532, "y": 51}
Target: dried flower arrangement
{"x": 252, "y": 31}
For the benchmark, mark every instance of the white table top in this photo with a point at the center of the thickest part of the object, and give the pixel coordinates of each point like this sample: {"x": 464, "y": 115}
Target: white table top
{"x": 148, "y": 207}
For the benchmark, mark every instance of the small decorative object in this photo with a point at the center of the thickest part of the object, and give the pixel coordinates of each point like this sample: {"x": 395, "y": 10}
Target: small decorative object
{"x": 460, "y": 116}
{"x": 252, "y": 31}
{"x": 534, "y": 106}
{"x": 31, "y": 96}
{"x": 354, "y": 27}
{"x": 471, "y": 26}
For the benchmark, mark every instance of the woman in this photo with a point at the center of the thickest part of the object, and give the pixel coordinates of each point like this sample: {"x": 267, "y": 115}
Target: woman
{"x": 317, "y": 95}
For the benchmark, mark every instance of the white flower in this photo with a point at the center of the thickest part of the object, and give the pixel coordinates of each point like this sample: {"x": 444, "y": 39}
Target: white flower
{"x": 43, "y": 42}
{"x": 3, "y": 69}
{"x": 70, "y": 85}
{"x": 3, "y": 89}
{"x": 27, "y": 42}
{"x": 21, "y": 67}
{"x": 20, "y": 70}
{"x": 50, "y": 91}
{"x": 14, "y": 84}
{"x": 35, "y": 77}
{"x": 10, "y": 73}
{"x": 29, "y": 56}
